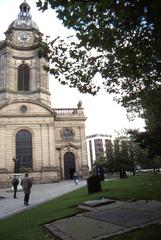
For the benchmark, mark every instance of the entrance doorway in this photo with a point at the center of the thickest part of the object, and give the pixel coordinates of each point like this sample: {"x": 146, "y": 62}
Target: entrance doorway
{"x": 69, "y": 165}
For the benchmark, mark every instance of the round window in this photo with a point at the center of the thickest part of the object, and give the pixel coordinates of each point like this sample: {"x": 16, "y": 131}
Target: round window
{"x": 23, "y": 109}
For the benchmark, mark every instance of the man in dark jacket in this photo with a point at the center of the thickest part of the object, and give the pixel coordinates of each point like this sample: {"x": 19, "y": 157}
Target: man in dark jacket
{"x": 15, "y": 183}
{"x": 26, "y": 183}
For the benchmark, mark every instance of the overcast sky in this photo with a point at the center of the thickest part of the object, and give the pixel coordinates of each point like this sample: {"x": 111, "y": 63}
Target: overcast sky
{"x": 103, "y": 114}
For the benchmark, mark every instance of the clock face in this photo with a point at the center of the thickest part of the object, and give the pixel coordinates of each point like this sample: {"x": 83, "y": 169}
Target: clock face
{"x": 24, "y": 37}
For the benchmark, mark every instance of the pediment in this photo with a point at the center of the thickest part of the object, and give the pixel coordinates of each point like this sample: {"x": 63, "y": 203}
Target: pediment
{"x": 25, "y": 108}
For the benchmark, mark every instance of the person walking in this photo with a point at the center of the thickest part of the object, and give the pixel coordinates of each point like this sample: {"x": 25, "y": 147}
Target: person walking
{"x": 26, "y": 184}
{"x": 15, "y": 183}
{"x": 75, "y": 177}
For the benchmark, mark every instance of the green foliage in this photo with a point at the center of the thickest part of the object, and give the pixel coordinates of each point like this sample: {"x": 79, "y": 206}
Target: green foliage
{"x": 149, "y": 140}
{"x": 117, "y": 47}
{"x": 101, "y": 160}
{"x": 126, "y": 39}
{"x": 152, "y": 109}
{"x": 127, "y": 152}
{"x": 146, "y": 233}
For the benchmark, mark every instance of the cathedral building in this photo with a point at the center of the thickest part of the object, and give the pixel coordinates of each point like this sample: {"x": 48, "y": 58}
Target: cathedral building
{"x": 49, "y": 143}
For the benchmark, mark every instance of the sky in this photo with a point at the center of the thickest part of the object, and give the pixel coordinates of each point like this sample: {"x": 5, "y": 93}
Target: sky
{"x": 104, "y": 116}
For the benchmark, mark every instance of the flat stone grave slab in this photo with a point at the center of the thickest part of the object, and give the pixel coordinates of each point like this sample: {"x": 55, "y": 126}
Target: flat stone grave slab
{"x": 97, "y": 202}
{"x": 144, "y": 205}
{"x": 82, "y": 228}
{"x": 106, "y": 221}
{"x": 124, "y": 217}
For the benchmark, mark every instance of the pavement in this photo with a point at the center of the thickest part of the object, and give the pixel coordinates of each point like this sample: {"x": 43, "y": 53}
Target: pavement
{"x": 99, "y": 219}
{"x": 40, "y": 193}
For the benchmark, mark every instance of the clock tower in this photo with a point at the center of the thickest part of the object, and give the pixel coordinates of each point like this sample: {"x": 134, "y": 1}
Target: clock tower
{"x": 22, "y": 76}
{"x": 47, "y": 142}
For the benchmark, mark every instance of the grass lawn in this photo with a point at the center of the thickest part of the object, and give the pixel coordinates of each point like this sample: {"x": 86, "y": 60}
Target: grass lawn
{"x": 27, "y": 225}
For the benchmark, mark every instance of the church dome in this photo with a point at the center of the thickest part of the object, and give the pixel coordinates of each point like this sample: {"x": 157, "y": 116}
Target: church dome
{"x": 24, "y": 20}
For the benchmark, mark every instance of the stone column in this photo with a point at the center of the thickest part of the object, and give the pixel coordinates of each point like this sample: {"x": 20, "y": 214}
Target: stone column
{"x": 2, "y": 148}
{"x": 45, "y": 146}
{"x": 51, "y": 140}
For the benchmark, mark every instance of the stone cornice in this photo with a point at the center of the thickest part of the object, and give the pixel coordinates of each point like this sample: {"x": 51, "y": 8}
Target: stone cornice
{"x": 14, "y": 46}
{"x": 41, "y": 91}
{"x": 22, "y": 29}
{"x": 69, "y": 118}
{"x": 24, "y": 115}
{"x": 23, "y": 92}
{"x": 23, "y": 58}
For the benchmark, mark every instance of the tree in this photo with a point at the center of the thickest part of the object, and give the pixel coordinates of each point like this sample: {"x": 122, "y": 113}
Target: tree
{"x": 152, "y": 110}
{"x": 121, "y": 155}
{"x": 100, "y": 164}
{"x": 151, "y": 142}
{"x": 138, "y": 157}
{"x": 120, "y": 40}
{"x": 101, "y": 159}
{"x": 127, "y": 152}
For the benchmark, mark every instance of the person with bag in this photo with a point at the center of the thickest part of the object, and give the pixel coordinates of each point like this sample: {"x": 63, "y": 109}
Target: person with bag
{"x": 15, "y": 183}
{"x": 75, "y": 177}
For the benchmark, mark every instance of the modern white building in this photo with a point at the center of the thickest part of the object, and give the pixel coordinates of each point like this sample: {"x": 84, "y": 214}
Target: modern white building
{"x": 98, "y": 144}
{"x": 49, "y": 143}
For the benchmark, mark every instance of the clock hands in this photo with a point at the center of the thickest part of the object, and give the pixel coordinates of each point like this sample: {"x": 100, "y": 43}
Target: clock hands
{"x": 24, "y": 37}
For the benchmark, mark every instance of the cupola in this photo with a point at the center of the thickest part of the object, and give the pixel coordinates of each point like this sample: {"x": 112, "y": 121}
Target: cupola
{"x": 24, "y": 19}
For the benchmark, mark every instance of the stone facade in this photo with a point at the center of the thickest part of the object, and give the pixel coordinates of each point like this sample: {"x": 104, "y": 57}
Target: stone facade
{"x": 49, "y": 143}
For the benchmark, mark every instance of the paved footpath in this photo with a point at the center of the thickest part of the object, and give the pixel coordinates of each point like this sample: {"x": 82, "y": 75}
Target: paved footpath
{"x": 40, "y": 193}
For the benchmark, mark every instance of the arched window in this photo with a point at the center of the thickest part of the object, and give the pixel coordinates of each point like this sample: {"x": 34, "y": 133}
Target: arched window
{"x": 23, "y": 77}
{"x": 24, "y": 148}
